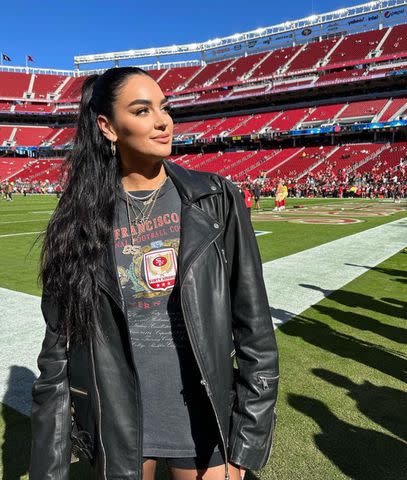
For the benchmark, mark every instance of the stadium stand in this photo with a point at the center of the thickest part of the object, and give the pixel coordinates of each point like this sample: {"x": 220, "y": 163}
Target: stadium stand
{"x": 174, "y": 77}
{"x": 365, "y": 110}
{"x": 39, "y": 170}
{"x": 312, "y": 55}
{"x": 13, "y": 84}
{"x": 389, "y": 158}
{"x": 10, "y": 166}
{"x": 396, "y": 41}
{"x": 45, "y": 85}
{"x": 72, "y": 89}
{"x": 354, "y": 47}
{"x": 292, "y": 109}
{"x": 395, "y": 107}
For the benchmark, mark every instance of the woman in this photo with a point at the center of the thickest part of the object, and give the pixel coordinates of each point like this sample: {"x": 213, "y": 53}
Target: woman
{"x": 152, "y": 286}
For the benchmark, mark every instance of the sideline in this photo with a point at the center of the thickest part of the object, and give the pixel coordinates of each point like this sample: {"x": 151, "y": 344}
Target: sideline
{"x": 296, "y": 282}
{"x": 18, "y": 234}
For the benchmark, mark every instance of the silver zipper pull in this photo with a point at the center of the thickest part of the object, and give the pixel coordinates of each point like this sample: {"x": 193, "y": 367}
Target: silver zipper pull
{"x": 264, "y": 383}
{"x": 224, "y": 255}
{"x": 205, "y": 384}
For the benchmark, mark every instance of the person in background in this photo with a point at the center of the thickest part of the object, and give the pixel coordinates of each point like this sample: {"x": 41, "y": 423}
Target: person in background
{"x": 248, "y": 199}
{"x": 281, "y": 195}
{"x": 257, "y": 193}
{"x": 9, "y": 192}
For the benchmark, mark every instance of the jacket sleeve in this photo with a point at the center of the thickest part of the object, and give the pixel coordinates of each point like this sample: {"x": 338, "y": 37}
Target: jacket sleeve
{"x": 253, "y": 414}
{"x": 50, "y": 415}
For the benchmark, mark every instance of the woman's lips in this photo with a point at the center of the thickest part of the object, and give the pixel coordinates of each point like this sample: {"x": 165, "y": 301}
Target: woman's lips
{"x": 162, "y": 139}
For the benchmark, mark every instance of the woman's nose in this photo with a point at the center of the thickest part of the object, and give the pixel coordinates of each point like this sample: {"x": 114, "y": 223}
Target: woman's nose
{"x": 161, "y": 121}
{"x": 161, "y": 125}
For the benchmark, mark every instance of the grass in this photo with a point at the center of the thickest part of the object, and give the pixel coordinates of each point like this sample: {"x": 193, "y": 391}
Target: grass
{"x": 289, "y": 238}
{"x": 342, "y": 400}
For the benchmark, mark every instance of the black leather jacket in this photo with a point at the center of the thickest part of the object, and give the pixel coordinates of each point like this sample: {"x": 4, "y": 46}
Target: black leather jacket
{"x": 227, "y": 315}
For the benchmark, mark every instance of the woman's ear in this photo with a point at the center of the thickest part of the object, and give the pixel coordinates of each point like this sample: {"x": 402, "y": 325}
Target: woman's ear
{"x": 106, "y": 128}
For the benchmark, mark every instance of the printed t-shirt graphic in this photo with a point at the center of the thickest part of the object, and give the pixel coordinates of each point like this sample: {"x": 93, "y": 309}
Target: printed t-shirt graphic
{"x": 154, "y": 264}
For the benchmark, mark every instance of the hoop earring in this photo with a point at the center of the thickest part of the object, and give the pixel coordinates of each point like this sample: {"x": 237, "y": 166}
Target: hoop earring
{"x": 113, "y": 148}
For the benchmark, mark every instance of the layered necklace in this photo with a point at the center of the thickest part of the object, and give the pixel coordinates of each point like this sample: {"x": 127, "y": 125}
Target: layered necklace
{"x": 142, "y": 216}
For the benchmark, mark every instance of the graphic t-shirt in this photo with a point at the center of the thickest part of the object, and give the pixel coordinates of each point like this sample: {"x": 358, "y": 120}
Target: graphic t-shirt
{"x": 178, "y": 420}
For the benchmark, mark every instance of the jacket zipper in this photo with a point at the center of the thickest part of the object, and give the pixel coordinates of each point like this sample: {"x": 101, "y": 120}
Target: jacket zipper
{"x": 264, "y": 379}
{"x": 209, "y": 393}
{"x": 78, "y": 391}
{"x": 221, "y": 253}
{"x": 99, "y": 412}
{"x": 203, "y": 381}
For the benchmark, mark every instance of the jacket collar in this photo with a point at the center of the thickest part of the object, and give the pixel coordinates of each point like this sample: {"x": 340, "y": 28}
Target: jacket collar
{"x": 190, "y": 184}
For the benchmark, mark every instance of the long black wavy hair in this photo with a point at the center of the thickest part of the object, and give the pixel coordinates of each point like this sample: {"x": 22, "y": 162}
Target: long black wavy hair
{"x": 79, "y": 229}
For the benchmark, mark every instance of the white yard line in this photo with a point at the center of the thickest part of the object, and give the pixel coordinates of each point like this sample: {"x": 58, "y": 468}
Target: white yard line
{"x": 17, "y": 234}
{"x": 23, "y": 221}
{"x": 294, "y": 283}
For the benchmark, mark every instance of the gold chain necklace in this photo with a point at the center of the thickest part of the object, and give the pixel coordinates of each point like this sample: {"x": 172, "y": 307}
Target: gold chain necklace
{"x": 132, "y": 249}
{"x": 151, "y": 200}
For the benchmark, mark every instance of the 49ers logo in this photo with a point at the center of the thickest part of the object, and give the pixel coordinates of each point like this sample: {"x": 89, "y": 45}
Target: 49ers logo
{"x": 160, "y": 268}
{"x": 159, "y": 261}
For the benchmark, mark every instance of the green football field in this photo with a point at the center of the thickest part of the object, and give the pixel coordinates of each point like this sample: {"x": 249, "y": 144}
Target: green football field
{"x": 342, "y": 400}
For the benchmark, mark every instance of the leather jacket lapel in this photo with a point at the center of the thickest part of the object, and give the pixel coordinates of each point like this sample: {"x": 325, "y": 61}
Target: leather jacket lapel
{"x": 190, "y": 186}
{"x": 198, "y": 230}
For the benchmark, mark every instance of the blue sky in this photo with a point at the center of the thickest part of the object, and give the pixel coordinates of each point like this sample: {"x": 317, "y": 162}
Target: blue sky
{"x": 54, "y": 32}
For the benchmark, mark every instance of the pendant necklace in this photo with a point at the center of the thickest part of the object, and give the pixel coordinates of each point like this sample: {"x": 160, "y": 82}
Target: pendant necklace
{"x": 143, "y": 216}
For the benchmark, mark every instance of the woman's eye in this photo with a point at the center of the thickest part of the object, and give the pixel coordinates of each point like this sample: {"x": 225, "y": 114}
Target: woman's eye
{"x": 168, "y": 109}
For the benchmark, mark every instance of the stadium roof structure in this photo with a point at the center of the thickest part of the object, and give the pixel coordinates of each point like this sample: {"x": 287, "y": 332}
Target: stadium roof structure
{"x": 366, "y": 16}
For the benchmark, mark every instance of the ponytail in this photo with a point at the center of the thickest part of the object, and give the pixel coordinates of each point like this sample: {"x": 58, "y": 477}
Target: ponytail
{"x": 80, "y": 228}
